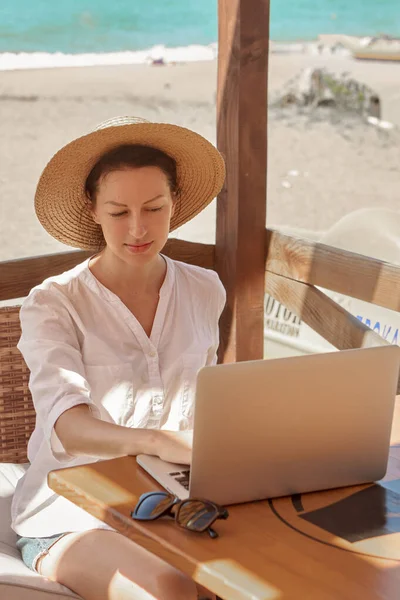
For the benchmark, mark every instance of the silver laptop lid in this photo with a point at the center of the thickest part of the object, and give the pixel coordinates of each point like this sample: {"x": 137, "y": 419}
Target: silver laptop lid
{"x": 276, "y": 427}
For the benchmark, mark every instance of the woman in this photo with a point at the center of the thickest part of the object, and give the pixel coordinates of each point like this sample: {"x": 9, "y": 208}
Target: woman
{"x": 114, "y": 345}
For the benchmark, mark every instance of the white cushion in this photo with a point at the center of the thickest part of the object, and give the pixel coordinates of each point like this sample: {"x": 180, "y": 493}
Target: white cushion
{"x": 17, "y": 582}
{"x": 9, "y": 475}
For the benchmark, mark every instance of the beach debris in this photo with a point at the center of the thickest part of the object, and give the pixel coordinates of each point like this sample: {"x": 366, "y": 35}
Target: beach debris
{"x": 315, "y": 88}
{"x": 379, "y": 123}
{"x": 293, "y": 173}
{"x": 158, "y": 62}
{"x": 286, "y": 184}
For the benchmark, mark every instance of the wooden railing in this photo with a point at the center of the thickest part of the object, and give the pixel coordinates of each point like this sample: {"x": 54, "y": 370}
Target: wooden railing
{"x": 295, "y": 269}
{"x": 19, "y": 276}
{"x": 331, "y": 268}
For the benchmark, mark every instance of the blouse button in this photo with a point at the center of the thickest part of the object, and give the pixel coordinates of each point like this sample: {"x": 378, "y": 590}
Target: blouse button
{"x": 152, "y": 354}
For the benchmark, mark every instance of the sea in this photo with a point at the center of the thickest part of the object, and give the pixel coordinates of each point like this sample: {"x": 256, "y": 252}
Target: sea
{"x": 51, "y": 33}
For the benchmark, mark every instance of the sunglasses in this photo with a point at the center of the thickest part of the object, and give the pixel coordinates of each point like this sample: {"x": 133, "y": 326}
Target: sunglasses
{"x": 192, "y": 514}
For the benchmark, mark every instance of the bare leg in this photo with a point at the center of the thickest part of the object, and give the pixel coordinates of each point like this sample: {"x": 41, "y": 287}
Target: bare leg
{"x": 105, "y": 565}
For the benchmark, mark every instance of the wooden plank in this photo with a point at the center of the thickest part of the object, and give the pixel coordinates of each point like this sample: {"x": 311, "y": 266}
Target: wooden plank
{"x": 194, "y": 253}
{"x": 321, "y": 313}
{"x": 338, "y": 270}
{"x": 19, "y": 276}
{"x": 242, "y": 139}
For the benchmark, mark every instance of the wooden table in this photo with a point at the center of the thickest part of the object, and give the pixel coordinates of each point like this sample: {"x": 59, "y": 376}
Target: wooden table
{"x": 340, "y": 544}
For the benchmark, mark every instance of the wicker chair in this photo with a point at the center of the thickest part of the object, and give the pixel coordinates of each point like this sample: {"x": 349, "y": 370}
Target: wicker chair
{"x": 17, "y": 415}
{"x": 17, "y": 420}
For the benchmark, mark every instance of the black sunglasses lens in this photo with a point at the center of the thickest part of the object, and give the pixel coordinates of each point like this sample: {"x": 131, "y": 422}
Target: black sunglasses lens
{"x": 196, "y": 515}
{"x": 151, "y": 506}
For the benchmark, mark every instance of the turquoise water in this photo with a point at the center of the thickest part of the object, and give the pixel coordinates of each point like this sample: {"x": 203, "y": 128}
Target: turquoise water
{"x": 82, "y": 26}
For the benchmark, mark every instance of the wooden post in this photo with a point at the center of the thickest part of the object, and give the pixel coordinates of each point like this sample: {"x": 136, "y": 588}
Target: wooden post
{"x": 243, "y": 38}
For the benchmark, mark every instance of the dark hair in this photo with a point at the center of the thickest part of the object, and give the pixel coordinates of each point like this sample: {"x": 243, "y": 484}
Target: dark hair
{"x": 131, "y": 156}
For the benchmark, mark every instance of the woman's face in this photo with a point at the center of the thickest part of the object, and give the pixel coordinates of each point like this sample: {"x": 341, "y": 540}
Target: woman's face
{"x": 134, "y": 208}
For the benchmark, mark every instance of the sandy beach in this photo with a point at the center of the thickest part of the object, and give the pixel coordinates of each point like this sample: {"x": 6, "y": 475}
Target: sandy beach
{"x": 318, "y": 171}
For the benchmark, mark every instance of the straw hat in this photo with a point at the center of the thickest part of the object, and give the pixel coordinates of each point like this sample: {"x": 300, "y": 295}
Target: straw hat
{"x": 62, "y": 206}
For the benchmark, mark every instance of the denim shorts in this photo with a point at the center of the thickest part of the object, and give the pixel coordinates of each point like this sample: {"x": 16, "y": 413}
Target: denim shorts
{"x": 34, "y": 548}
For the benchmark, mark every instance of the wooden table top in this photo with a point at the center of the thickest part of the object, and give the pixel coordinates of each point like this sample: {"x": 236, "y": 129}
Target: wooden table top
{"x": 338, "y": 544}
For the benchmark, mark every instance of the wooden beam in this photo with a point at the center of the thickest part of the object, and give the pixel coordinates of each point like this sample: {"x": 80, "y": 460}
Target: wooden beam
{"x": 18, "y": 277}
{"x": 242, "y": 138}
{"x": 347, "y": 273}
{"x": 321, "y": 313}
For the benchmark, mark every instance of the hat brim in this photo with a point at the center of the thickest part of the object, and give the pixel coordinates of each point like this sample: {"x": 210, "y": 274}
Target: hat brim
{"x": 62, "y": 206}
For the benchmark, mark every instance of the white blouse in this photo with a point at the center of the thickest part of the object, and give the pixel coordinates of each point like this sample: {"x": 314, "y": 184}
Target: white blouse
{"x": 84, "y": 346}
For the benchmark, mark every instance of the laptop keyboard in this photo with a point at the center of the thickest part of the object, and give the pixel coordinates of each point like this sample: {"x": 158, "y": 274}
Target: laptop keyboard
{"x": 182, "y": 477}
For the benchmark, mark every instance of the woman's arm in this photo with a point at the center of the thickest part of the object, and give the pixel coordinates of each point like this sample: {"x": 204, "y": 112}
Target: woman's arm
{"x": 83, "y": 434}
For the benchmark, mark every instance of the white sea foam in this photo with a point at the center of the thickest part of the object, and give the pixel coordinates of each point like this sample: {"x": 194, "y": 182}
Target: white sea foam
{"x": 10, "y": 61}
{"x": 42, "y": 60}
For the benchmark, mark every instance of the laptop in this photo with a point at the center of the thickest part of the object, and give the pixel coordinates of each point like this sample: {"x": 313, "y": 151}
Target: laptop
{"x": 277, "y": 427}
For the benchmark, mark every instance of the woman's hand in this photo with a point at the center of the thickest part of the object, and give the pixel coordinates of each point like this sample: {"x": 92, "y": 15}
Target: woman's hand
{"x": 174, "y": 446}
